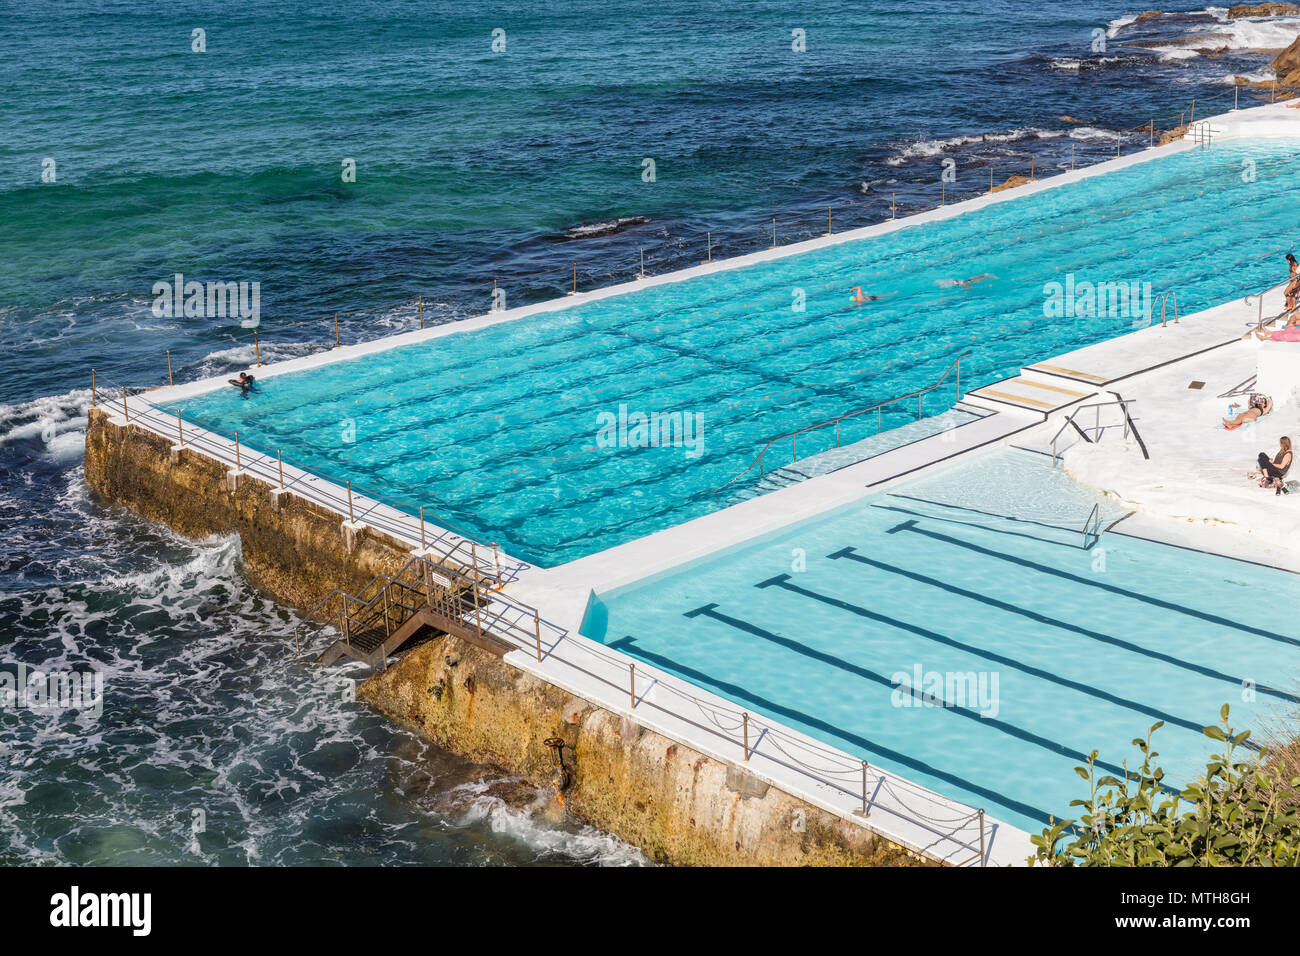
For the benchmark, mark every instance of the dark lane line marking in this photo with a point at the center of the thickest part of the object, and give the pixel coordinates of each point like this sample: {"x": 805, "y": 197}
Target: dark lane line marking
{"x": 790, "y": 644}
{"x": 911, "y": 525}
{"x": 852, "y": 555}
{"x": 983, "y": 527}
{"x": 977, "y": 511}
{"x": 782, "y": 580}
{"x": 736, "y": 692}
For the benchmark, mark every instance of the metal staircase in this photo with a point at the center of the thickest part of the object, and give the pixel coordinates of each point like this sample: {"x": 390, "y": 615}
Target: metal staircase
{"x": 425, "y": 597}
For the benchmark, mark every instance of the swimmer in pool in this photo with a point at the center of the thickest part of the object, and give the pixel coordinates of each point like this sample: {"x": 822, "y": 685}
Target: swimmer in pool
{"x": 965, "y": 283}
{"x": 860, "y": 299}
{"x": 244, "y": 383}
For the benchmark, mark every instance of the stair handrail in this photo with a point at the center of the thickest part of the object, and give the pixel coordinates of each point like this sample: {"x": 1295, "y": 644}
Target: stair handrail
{"x": 1129, "y": 426}
{"x": 485, "y": 599}
{"x": 793, "y": 436}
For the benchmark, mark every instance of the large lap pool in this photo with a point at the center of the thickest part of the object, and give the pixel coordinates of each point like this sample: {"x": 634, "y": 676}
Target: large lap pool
{"x": 1069, "y": 649}
{"x": 497, "y": 430}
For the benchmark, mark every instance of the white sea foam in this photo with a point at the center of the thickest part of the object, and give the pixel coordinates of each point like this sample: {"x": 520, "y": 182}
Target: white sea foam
{"x": 1119, "y": 23}
{"x": 587, "y": 229}
{"x": 1092, "y": 133}
{"x": 1170, "y": 54}
{"x": 1271, "y": 33}
{"x": 1195, "y": 36}
{"x": 1257, "y": 76}
{"x": 581, "y": 842}
{"x": 926, "y": 148}
{"x": 245, "y": 356}
{"x": 59, "y": 421}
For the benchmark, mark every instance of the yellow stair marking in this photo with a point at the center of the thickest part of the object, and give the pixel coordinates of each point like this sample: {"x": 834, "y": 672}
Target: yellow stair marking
{"x": 1013, "y": 399}
{"x": 1069, "y": 371}
{"x": 1053, "y": 388}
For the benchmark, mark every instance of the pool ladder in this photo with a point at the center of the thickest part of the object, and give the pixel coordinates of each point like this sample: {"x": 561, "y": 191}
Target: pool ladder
{"x": 1092, "y": 528}
{"x": 1163, "y": 298}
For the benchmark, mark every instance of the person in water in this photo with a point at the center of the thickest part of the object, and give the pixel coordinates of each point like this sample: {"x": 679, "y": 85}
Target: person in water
{"x": 1272, "y": 473}
{"x": 1260, "y": 405}
{"x": 966, "y": 283}
{"x": 244, "y": 382}
{"x": 860, "y": 299}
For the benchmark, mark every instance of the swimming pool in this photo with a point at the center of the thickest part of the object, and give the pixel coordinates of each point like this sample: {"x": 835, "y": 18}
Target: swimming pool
{"x": 1042, "y": 650}
{"x": 499, "y": 430}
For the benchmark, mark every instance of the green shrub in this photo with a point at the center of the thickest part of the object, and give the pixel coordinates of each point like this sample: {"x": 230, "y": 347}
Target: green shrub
{"x": 1241, "y": 813}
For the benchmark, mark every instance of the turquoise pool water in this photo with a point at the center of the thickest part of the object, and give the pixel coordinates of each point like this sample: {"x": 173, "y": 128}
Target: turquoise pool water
{"x": 498, "y": 430}
{"x": 809, "y": 628}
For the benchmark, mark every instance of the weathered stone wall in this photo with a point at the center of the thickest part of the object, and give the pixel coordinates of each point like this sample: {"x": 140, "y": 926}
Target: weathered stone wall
{"x": 294, "y": 552}
{"x": 678, "y": 805}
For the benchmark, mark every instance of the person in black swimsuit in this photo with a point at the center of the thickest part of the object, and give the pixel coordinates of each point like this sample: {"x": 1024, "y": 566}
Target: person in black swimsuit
{"x": 1273, "y": 473}
{"x": 1260, "y": 405}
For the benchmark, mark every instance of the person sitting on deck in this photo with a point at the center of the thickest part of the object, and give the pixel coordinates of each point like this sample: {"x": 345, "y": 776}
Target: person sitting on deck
{"x": 1272, "y": 474}
{"x": 1260, "y": 405}
{"x": 1293, "y": 286}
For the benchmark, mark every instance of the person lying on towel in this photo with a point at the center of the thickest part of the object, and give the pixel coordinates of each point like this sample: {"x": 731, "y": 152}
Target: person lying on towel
{"x": 1260, "y": 405}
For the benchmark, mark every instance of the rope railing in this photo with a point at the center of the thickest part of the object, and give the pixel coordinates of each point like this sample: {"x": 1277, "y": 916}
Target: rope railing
{"x": 743, "y": 734}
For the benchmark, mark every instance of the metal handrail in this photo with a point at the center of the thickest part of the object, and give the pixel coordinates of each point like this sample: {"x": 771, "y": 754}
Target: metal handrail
{"x": 738, "y": 729}
{"x": 451, "y": 542}
{"x": 1092, "y": 527}
{"x": 451, "y": 580}
{"x": 1164, "y": 297}
{"x": 1260, "y": 321}
{"x": 1129, "y": 425}
{"x": 877, "y": 408}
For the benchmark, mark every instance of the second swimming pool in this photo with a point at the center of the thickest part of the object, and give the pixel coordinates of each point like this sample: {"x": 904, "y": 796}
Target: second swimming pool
{"x": 979, "y": 590}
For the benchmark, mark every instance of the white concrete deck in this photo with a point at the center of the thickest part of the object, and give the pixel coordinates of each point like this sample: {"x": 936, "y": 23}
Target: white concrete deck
{"x": 1149, "y": 363}
{"x": 1197, "y": 471}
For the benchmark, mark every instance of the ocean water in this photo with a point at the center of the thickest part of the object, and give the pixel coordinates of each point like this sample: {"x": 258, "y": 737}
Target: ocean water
{"x": 472, "y": 166}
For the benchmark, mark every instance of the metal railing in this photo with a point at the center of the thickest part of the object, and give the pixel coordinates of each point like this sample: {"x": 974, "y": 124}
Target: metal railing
{"x": 1097, "y": 427}
{"x": 1092, "y": 528}
{"x": 1163, "y": 298}
{"x": 338, "y": 495}
{"x": 388, "y": 601}
{"x": 743, "y": 736}
{"x": 1201, "y": 133}
{"x": 384, "y": 602}
{"x": 1260, "y": 321}
{"x": 878, "y": 408}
